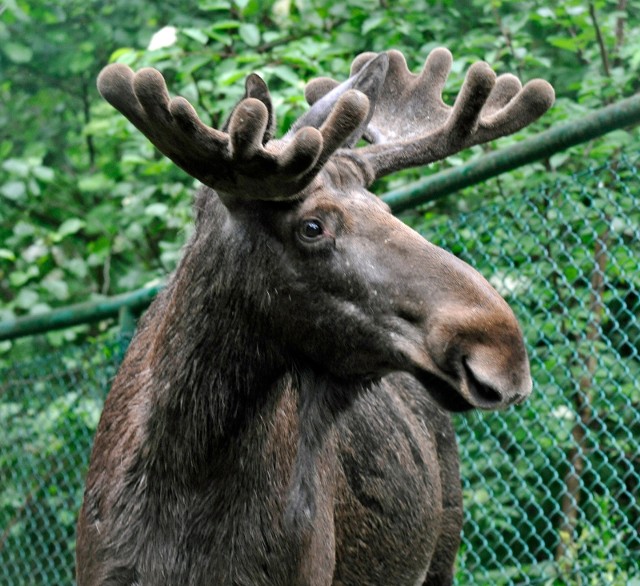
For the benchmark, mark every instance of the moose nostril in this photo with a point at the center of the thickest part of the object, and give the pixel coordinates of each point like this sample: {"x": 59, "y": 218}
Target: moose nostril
{"x": 478, "y": 388}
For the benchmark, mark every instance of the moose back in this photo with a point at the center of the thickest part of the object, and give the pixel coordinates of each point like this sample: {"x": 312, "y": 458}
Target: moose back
{"x": 282, "y": 414}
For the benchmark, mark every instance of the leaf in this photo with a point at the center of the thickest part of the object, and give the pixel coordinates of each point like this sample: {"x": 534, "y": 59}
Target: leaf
{"x": 546, "y": 12}
{"x": 286, "y": 74}
{"x": 165, "y": 37}
{"x": 39, "y": 309}
{"x": 26, "y": 299}
{"x": 93, "y": 183}
{"x": 17, "y": 167}
{"x": 18, "y": 278}
{"x": 5, "y": 148}
{"x": 219, "y": 5}
{"x": 195, "y": 62}
{"x": 17, "y": 53}
{"x": 221, "y": 38}
{"x": 24, "y": 229}
{"x": 196, "y": 34}
{"x": 231, "y": 77}
{"x": 45, "y": 174}
{"x": 250, "y": 34}
{"x": 126, "y": 55}
{"x": 77, "y": 267}
{"x": 576, "y": 10}
{"x": 223, "y": 25}
{"x": 14, "y": 190}
{"x": 58, "y": 288}
{"x": 567, "y": 43}
{"x": 70, "y": 226}
{"x": 558, "y": 159}
{"x": 158, "y": 210}
{"x": 372, "y": 22}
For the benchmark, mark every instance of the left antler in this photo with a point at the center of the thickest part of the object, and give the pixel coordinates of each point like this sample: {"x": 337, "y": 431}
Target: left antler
{"x": 412, "y": 126}
{"x": 240, "y": 161}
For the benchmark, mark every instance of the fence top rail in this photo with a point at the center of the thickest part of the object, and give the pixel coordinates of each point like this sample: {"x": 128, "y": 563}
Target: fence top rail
{"x": 600, "y": 122}
{"x": 80, "y": 313}
{"x": 559, "y": 138}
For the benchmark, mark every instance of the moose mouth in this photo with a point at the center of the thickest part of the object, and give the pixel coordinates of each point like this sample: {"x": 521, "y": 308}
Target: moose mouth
{"x": 468, "y": 393}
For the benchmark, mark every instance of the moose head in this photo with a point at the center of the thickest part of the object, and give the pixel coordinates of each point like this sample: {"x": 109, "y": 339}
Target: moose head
{"x": 398, "y": 302}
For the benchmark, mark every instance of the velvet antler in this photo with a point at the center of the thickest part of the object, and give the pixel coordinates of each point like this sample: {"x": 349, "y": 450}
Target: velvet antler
{"x": 401, "y": 114}
{"x": 240, "y": 161}
{"x": 411, "y": 125}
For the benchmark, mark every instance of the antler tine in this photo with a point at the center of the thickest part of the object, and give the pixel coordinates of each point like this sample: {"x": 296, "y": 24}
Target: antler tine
{"x": 412, "y": 126}
{"x": 255, "y": 87}
{"x": 240, "y": 161}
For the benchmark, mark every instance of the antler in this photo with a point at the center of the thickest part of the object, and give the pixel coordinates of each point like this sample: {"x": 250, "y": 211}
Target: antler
{"x": 240, "y": 161}
{"x": 412, "y": 126}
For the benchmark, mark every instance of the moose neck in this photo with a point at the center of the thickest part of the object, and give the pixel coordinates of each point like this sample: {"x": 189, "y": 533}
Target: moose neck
{"x": 218, "y": 368}
{"x": 212, "y": 360}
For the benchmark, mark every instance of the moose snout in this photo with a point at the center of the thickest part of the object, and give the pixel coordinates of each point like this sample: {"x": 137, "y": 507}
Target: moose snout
{"x": 481, "y": 353}
{"x": 494, "y": 378}
{"x": 457, "y": 328}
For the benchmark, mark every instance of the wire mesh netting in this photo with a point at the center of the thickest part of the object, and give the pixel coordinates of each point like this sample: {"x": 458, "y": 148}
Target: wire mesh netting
{"x": 551, "y": 487}
{"x": 49, "y": 410}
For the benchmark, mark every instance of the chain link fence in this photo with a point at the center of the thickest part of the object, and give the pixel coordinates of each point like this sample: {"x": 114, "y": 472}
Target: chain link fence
{"x": 551, "y": 487}
{"x": 49, "y": 410}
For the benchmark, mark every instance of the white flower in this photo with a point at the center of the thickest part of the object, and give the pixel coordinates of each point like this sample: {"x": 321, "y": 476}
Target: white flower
{"x": 509, "y": 285}
{"x": 165, "y": 37}
{"x": 563, "y": 412}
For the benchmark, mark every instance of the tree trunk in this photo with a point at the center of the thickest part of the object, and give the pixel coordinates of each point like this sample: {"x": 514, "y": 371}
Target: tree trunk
{"x": 582, "y": 408}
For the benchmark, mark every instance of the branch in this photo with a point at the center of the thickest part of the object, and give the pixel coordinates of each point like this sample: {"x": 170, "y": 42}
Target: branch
{"x": 603, "y": 49}
{"x": 86, "y": 106}
{"x": 620, "y": 24}
{"x": 507, "y": 38}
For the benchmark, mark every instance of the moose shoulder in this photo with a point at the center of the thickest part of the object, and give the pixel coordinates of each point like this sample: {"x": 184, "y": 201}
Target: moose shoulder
{"x": 281, "y": 414}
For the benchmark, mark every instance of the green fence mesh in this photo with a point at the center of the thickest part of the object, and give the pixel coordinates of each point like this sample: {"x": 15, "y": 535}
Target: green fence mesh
{"x": 551, "y": 487}
{"x": 49, "y": 410}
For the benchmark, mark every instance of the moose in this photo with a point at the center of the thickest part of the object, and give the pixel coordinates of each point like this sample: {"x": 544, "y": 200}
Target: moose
{"x": 282, "y": 414}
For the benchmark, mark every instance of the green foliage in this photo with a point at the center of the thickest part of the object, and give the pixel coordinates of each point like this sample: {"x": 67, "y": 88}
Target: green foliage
{"x": 76, "y": 221}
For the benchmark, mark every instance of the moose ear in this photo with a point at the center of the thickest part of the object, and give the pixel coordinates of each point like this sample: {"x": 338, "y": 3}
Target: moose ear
{"x": 323, "y": 93}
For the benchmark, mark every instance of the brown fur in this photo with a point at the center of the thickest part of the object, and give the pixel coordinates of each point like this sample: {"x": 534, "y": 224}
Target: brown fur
{"x": 280, "y": 416}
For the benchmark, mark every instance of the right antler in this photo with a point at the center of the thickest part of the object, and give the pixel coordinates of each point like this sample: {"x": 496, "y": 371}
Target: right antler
{"x": 241, "y": 161}
{"x": 411, "y": 125}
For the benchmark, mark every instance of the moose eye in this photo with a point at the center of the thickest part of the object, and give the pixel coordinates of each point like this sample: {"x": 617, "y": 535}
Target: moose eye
{"x": 311, "y": 229}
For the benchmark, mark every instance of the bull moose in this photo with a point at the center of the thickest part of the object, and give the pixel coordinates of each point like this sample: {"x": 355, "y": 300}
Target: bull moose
{"x": 282, "y": 415}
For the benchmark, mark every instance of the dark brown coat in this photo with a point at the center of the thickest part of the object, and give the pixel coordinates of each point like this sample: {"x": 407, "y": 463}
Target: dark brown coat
{"x": 280, "y": 417}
